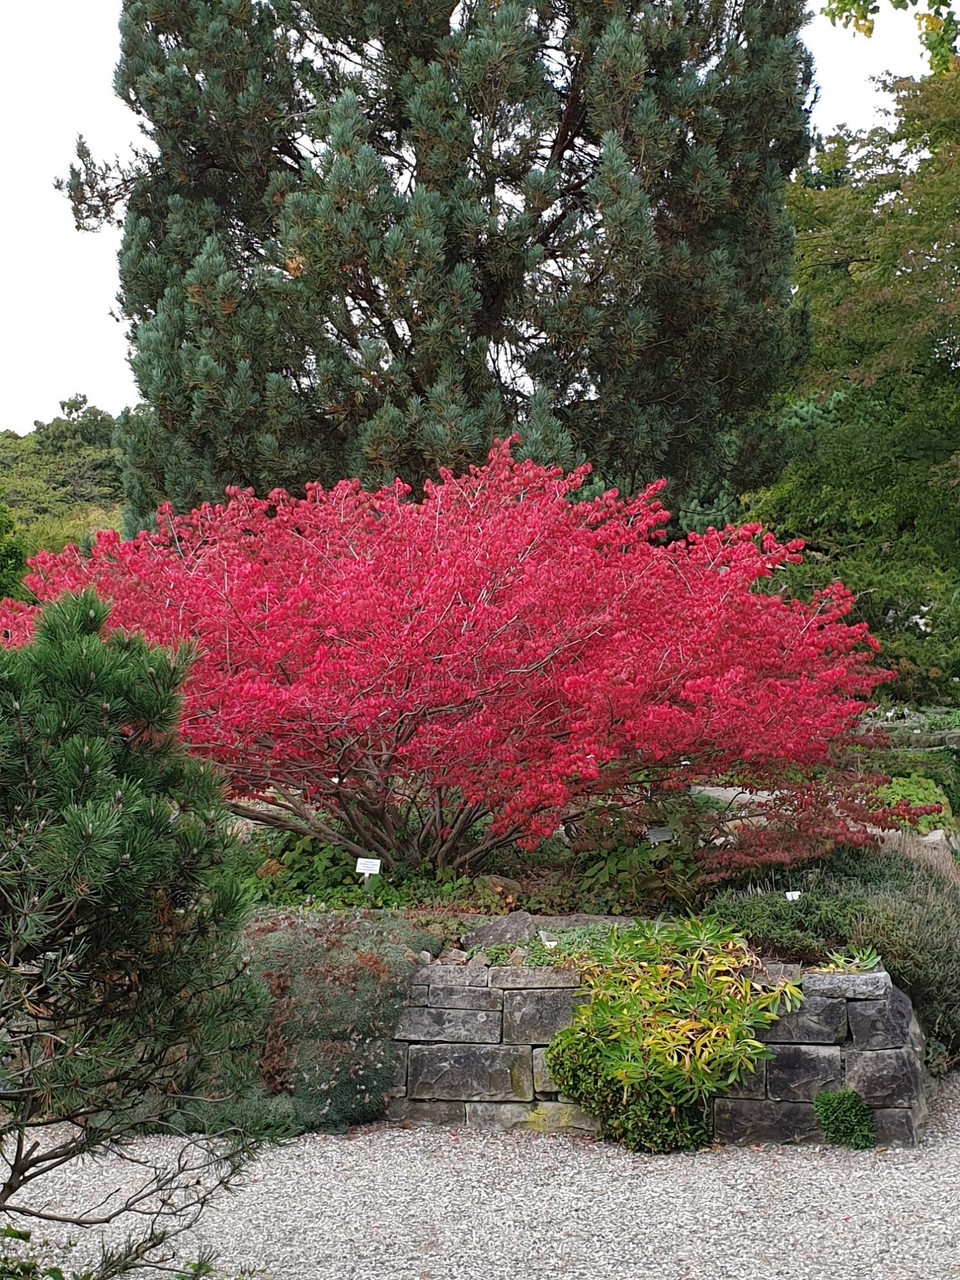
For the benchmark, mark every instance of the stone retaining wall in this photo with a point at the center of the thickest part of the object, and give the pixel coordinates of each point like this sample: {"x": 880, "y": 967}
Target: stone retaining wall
{"x": 471, "y": 1041}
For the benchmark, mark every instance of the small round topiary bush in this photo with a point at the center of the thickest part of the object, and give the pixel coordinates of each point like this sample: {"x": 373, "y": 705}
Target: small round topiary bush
{"x": 845, "y": 1119}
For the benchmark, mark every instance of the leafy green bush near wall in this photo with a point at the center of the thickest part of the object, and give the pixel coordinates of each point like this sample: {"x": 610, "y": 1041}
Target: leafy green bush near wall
{"x": 673, "y": 1018}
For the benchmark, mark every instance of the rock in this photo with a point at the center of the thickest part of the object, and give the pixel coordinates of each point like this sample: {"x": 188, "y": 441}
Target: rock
{"x": 881, "y": 1024}
{"x": 543, "y": 1081}
{"x": 484, "y": 1073}
{"x": 457, "y": 1026}
{"x": 464, "y": 998}
{"x": 517, "y": 956}
{"x": 417, "y": 994}
{"x": 538, "y": 1117}
{"x": 519, "y": 926}
{"x": 773, "y": 971}
{"x": 746, "y": 1120}
{"x": 752, "y": 1086}
{"x": 449, "y": 975}
{"x": 535, "y": 1017}
{"x": 798, "y": 1072}
{"x": 872, "y": 985}
{"x": 900, "y": 1126}
{"x": 479, "y": 959}
{"x": 406, "y": 1111}
{"x": 819, "y": 1020}
{"x": 517, "y": 978}
{"x": 452, "y": 955}
{"x": 886, "y": 1077}
{"x": 425, "y": 957}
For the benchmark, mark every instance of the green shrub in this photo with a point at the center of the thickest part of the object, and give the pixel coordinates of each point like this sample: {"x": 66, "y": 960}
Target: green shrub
{"x": 673, "y": 1018}
{"x": 123, "y": 991}
{"x": 906, "y": 908}
{"x": 845, "y": 1119}
{"x": 939, "y": 764}
{"x": 337, "y": 983}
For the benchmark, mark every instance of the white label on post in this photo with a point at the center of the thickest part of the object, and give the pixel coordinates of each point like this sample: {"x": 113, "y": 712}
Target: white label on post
{"x": 368, "y": 866}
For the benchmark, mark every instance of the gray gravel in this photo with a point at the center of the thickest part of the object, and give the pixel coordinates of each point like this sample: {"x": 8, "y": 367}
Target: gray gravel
{"x": 396, "y": 1204}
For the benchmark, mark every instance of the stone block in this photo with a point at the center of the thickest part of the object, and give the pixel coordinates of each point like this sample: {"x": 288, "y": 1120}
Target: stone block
{"x": 518, "y": 926}
{"x": 535, "y": 1017}
{"x": 398, "y": 1086}
{"x": 406, "y": 1111}
{"x": 773, "y": 971}
{"x": 450, "y": 975}
{"x": 483, "y": 1073}
{"x": 755, "y": 1120}
{"x": 900, "y": 1126}
{"x": 464, "y": 998}
{"x": 518, "y": 978}
{"x": 543, "y": 1081}
{"x": 886, "y": 1077}
{"x": 753, "y": 1085}
{"x": 457, "y": 1026}
{"x": 798, "y": 1072}
{"x": 881, "y": 1024}
{"x": 848, "y": 986}
{"x": 538, "y": 1117}
{"x": 417, "y": 994}
{"x": 819, "y": 1020}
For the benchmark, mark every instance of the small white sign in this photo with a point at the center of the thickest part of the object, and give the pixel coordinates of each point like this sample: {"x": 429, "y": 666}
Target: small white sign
{"x": 792, "y": 895}
{"x": 368, "y": 866}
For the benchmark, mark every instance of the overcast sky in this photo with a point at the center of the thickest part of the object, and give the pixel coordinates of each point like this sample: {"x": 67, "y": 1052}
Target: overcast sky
{"x": 56, "y": 69}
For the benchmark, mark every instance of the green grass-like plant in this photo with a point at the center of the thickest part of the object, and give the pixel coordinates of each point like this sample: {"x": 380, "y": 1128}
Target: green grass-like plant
{"x": 845, "y": 1119}
{"x": 673, "y": 1019}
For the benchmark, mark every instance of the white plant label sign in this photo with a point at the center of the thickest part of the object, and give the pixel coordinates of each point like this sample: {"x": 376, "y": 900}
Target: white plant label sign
{"x": 368, "y": 866}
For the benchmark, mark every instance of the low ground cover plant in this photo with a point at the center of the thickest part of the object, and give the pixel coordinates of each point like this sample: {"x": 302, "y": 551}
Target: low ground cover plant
{"x": 672, "y": 1019}
{"x": 903, "y": 904}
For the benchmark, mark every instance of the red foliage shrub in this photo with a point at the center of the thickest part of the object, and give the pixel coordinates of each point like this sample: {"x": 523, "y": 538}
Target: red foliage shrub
{"x": 440, "y": 676}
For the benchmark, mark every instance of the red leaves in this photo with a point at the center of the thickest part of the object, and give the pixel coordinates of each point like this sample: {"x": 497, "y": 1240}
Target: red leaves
{"x": 495, "y": 649}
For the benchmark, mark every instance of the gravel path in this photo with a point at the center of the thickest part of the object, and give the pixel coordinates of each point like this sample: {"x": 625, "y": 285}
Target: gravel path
{"x": 395, "y": 1204}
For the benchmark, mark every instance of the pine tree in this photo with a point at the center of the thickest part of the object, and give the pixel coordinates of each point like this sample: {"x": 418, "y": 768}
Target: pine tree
{"x": 122, "y": 993}
{"x": 367, "y": 238}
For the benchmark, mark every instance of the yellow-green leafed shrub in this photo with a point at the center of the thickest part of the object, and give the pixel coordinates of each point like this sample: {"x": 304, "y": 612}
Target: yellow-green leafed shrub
{"x": 673, "y": 1018}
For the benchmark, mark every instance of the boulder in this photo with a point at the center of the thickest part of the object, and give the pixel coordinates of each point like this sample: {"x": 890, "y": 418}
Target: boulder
{"x": 819, "y": 1020}
{"x": 881, "y": 1024}
{"x": 518, "y": 926}
{"x": 406, "y": 1111}
{"x": 458, "y": 1026}
{"x": 484, "y": 1073}
{"x": 513, "y": 977}
{"x": 749, "y": 1120}
{"x": 886, "y": 1077}
{"x": 537, "y": 1117}
{"x": 871, "y": 985}
{"x": 535, "y": 1017}
{"x": 464, "y": 998}
{"x": 798, "y": 1072}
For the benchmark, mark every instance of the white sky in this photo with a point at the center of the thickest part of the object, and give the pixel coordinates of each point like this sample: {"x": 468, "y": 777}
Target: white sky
{"x": 56, "y": 70}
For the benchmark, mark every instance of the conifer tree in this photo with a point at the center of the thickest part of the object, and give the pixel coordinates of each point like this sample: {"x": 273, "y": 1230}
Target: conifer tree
{"x": 124, "y": 1005}
{"x": 366, "y": 239}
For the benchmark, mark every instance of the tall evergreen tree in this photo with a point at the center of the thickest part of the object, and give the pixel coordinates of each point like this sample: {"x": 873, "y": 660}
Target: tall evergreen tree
{"x": 367, "y": 238}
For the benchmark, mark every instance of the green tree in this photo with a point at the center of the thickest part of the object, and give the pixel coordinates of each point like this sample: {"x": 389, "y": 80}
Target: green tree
{"x": 366, "y": 239}
{"x": 123, "y": 997}
{"x": 12, "y": 559}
